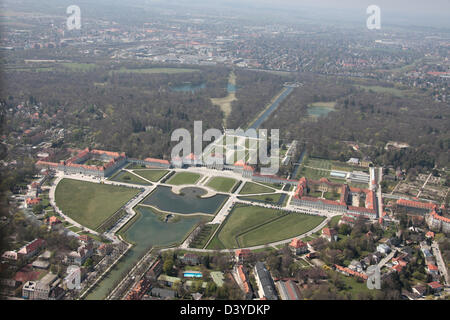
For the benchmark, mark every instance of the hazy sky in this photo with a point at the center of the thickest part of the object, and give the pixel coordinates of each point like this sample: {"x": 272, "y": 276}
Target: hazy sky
{"x": 393, "y": 12}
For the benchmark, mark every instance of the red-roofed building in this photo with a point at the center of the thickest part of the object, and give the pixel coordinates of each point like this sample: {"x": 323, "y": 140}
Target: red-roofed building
{"x": 298, "y": 246}
{"x": 349, "y": 272}
{"x": 10, "y": 255}
{"x": 85, "y": 239}
{"x": 53, "y": 222}
{"x": 31, "y": 248}
{"x": 438, "y": 222}
{"x": 435, "y": 286}
{"x": 29, "y": 202}
{"x": 432, "y": 269}
{"x": 415, "y": 204}
{"x": 243, "y": 281}
{"x": 429, "y": 234}
{"x": 152, "y": 162}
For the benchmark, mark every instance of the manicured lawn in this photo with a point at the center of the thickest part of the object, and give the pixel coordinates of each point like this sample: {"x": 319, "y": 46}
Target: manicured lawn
{"x": 184, "y": 178}
{"x": 250, "y": 226}
{"x": 91, "y": 203}
{"x": 241, "y": 219}
{"x": 127, "y": 177}
{"x": 273, "y": 185}
{"x": 221, "y": 184}
{"x": 288, "y": 226}
{"x": 150, "y": 174}
{"x": 251, "y": 188}
{"x": 75, "y": 66}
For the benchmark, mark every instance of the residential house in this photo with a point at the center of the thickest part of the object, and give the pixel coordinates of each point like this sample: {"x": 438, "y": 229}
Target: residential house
{"x": 31, "y": 248}
{"x": 81, "y": 255}
{"x": 435, "y": 286}
{"x": 298, "y": 246}
{"x": 432, "y": 269}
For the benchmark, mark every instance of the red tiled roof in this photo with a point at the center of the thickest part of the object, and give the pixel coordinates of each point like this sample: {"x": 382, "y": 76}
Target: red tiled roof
{"x": 243, "y": 252}
{"x": 351, "y": 272}
{"x": 432, "y": 267}
{"x": 157, "y": 160}
{"x": 33, "y": 201}
{"x": 438, "y": 217}
{"x": 329, "y": 232}
{"x": 32, "y": 246}
{"x": 297, "y": 243}
{"x": 416, "y": 204}
{"x": 435, "y": 285}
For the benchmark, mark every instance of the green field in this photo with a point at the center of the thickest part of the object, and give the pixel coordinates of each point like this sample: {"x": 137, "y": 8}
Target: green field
{"x": 394, "y": 91}
{"x": 156, "y": 70}
{"x": 181, "y": 178}
{"x": 150, "y": 174}
{"x": 251, "y": 226}
{"x": 251, "y": 188}
{"x": 74, "y": 66}
{"x": 221, "y": 184}
{"x": 271, "y": 197}
{"x": 288, "y": 226}
{"x": 91, "y": 203}
{"x": 127, "y": 177}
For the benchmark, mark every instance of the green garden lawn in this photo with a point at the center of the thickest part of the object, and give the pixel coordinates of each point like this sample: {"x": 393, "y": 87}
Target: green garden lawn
{"x": 127, "y": 177}
{"x": 291, "y": 225}
{"x": 221, "y": 184}
{"x": 272, "y": 198}
{"x": 241, "y": 219}
{"x": 251, "y": 188}
{"x": 91, "y": 203}
{"x": 184, "y": 178}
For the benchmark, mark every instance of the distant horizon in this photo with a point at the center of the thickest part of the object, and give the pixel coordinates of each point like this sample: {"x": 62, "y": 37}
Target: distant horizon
{"x": 402, "y": 13}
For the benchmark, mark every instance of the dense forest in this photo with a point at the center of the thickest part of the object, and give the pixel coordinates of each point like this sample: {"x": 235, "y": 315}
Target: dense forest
{"x": 368, "y": 118}
{"x": 255, "y": 91}
{"x": 124, "y": 108}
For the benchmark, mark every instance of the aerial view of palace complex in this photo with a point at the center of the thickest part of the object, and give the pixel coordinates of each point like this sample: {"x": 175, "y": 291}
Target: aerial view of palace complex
{"x": 95, "y": 205}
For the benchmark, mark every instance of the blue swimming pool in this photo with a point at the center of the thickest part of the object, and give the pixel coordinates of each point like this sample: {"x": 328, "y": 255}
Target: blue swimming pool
{"x": 192, "y": 274}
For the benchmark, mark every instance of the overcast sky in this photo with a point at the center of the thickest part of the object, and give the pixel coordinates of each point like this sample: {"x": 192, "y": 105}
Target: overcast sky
{"x": 402, "y": 12}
